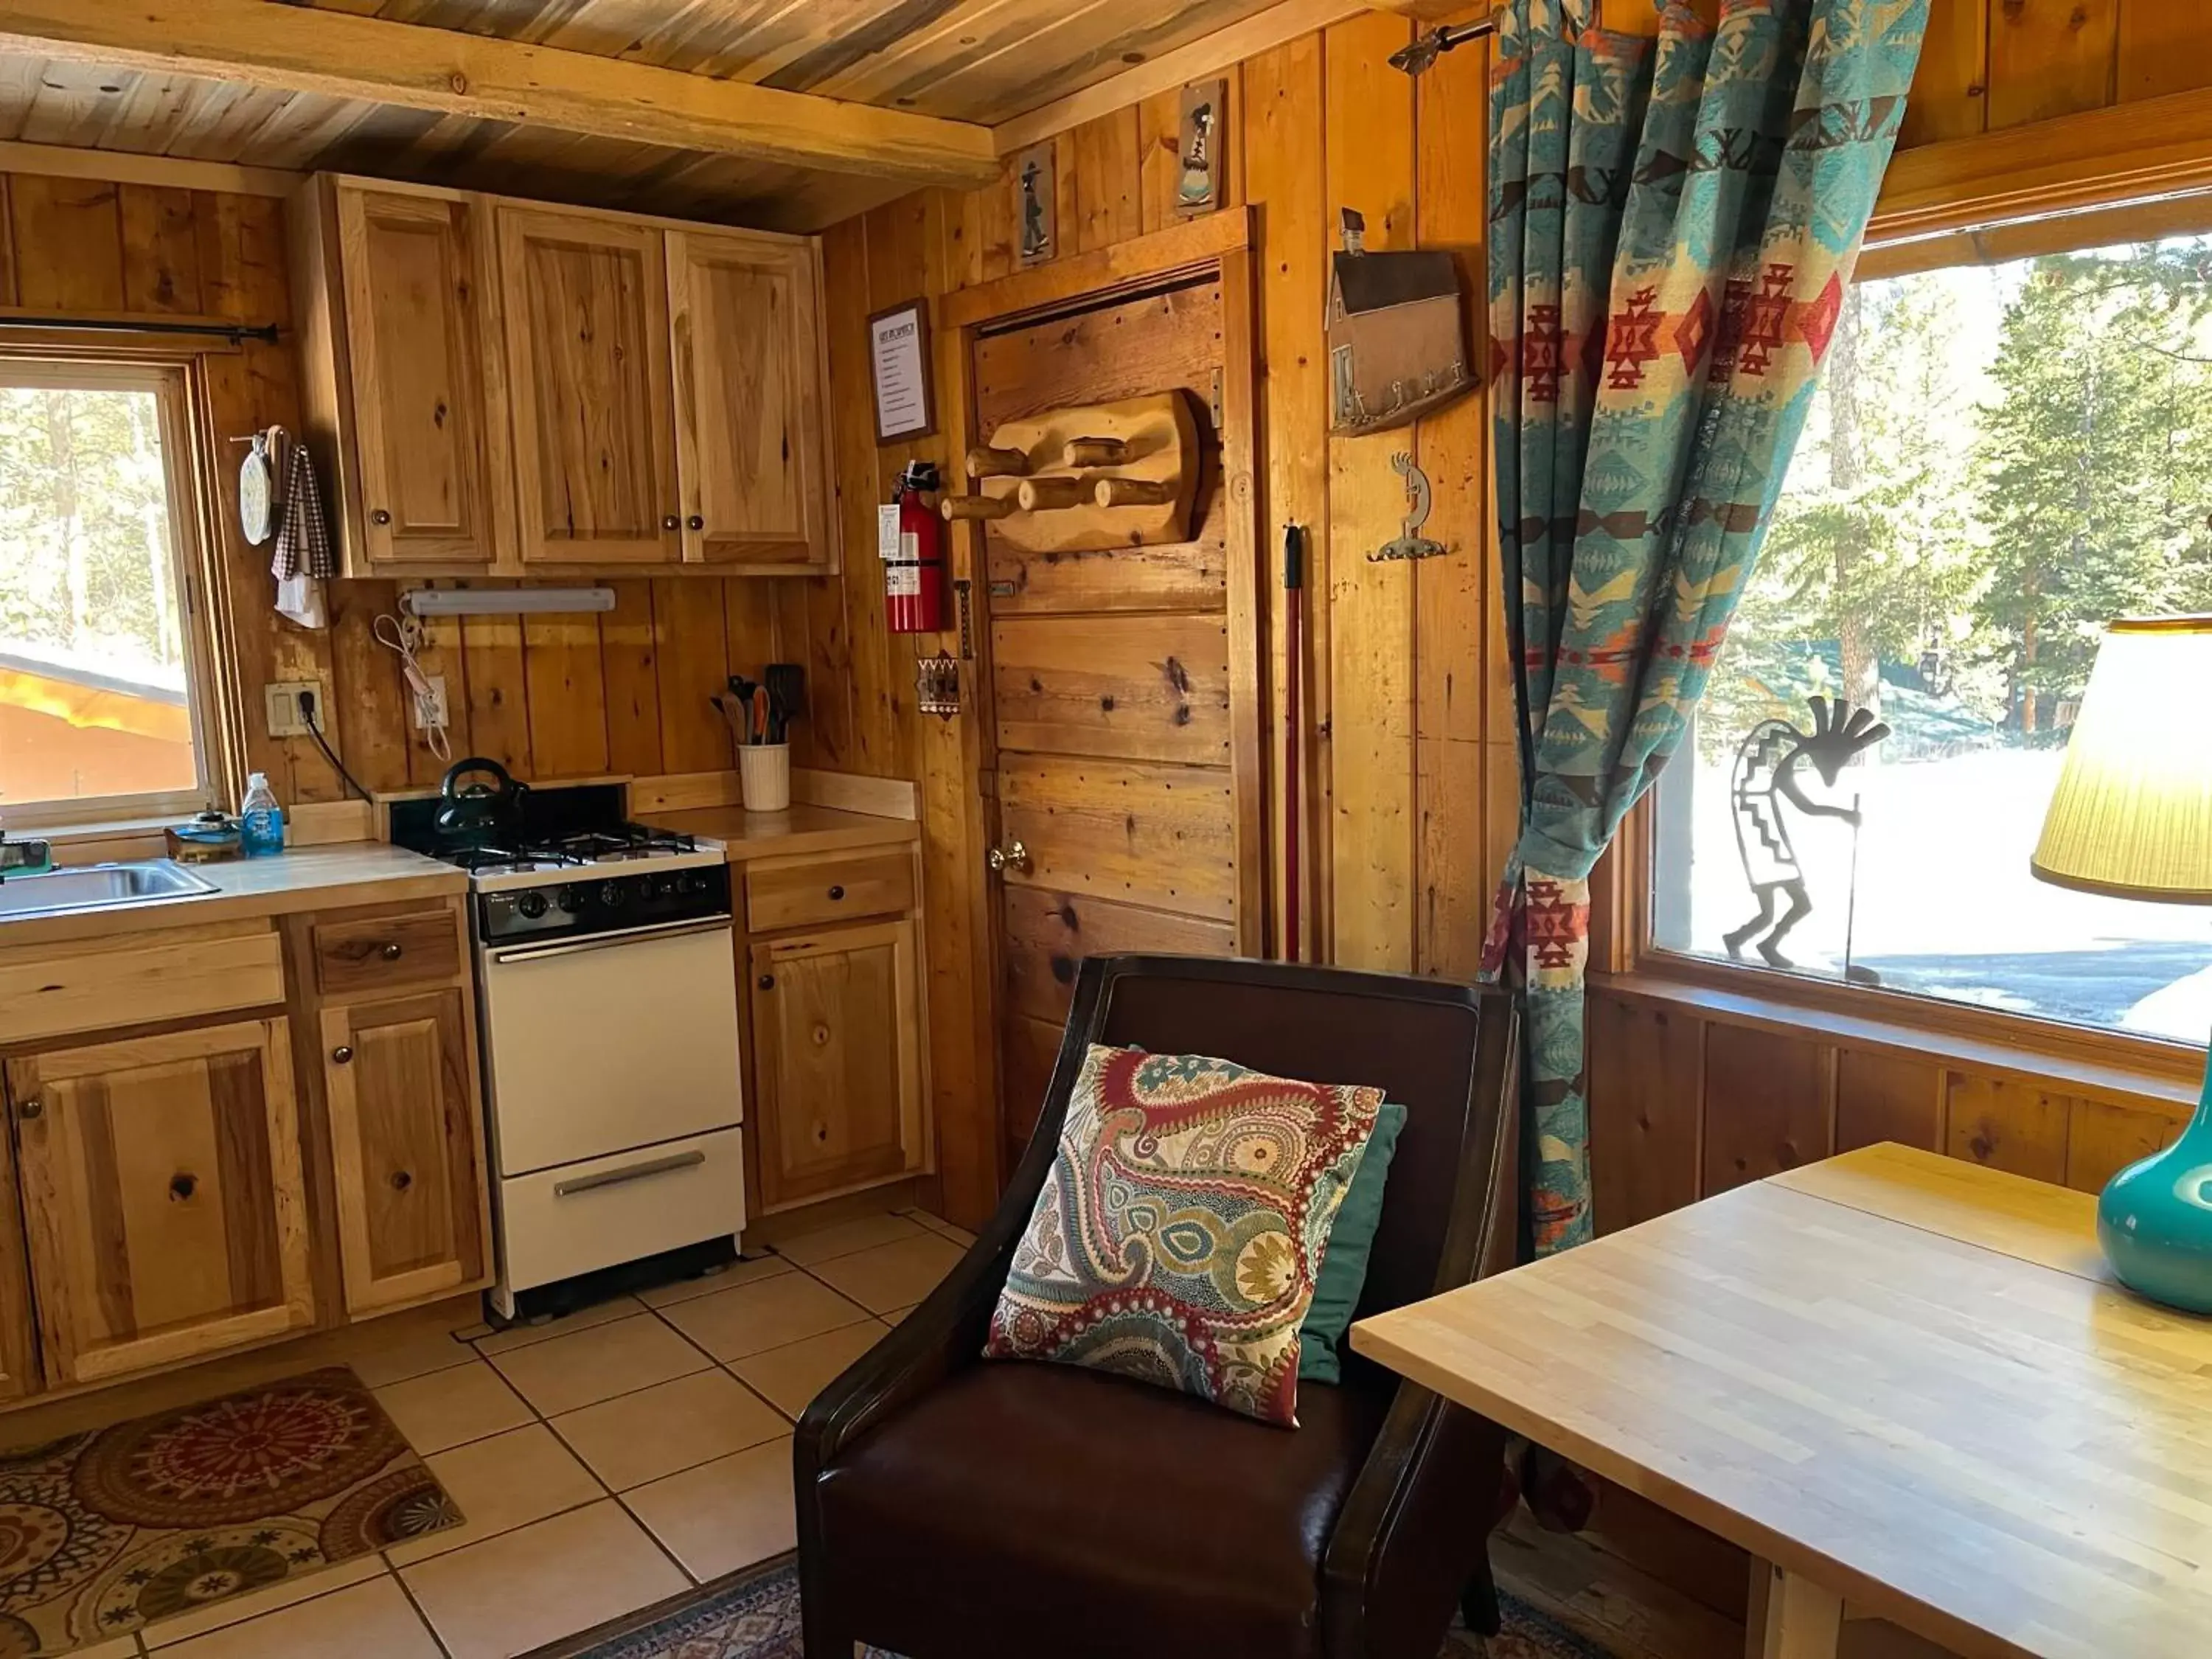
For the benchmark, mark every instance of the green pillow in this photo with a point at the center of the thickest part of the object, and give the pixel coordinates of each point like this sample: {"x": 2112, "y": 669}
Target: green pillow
{"x": 1344, "y": 1261}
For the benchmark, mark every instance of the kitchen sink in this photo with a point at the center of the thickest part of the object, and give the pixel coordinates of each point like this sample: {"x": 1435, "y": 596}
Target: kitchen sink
{"x": 99, "y": 887}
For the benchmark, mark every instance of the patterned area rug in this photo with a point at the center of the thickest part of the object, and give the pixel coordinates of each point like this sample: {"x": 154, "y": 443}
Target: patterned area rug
{"x": 755, "y": 1615}
{"x": 101, "y": 1534}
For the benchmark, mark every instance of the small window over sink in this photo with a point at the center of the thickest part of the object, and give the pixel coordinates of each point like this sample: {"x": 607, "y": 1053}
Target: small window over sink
{"x": 103, "y": 710}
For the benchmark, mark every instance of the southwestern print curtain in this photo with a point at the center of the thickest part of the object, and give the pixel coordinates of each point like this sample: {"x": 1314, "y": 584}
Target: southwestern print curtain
{"x": 1673, "y": 222}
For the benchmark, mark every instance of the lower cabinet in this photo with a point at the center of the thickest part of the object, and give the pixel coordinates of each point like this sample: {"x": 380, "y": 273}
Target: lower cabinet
{"x": 404, "y": 1156}
{"x": 164, "y": 1211}
{"x": 837, "y": 1061}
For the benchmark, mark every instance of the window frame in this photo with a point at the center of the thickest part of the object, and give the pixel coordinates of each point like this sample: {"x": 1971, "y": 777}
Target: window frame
{"x": 174, "y": 382}
{"x": 1973, "y": 230}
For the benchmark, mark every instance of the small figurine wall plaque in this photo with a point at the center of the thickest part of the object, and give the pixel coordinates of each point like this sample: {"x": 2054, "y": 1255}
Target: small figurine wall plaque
{"x": 1396, "y": 335}
{"x": 1765, "y": 774}
{"x": 1035, "y": 235}
{"x": 1409, "y": 543}
{"x": 1198, "y": 147}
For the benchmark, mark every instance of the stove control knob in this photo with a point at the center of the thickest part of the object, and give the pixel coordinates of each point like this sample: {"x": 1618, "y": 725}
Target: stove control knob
{"x": 611, "y": 894}
{"x": 532, "y": 905}
{"x": 568, "y": 900}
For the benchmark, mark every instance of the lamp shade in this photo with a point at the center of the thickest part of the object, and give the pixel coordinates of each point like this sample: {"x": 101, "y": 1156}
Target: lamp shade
{"x": 2132, "y": 815}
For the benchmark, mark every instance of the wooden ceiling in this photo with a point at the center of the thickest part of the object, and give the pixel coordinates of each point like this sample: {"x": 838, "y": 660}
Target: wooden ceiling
{"x": 971, "y": 61}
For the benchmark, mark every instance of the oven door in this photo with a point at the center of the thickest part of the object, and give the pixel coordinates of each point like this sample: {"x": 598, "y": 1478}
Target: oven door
{"x": 596, "y": 1046}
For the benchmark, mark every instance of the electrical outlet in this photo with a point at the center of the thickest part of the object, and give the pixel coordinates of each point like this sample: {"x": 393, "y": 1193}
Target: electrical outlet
{"x": 430, "y": 708}
{"x": 285, "y": 719}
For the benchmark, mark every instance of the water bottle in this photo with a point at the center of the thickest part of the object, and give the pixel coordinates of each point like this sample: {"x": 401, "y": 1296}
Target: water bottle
{"x": 261, "y": 821}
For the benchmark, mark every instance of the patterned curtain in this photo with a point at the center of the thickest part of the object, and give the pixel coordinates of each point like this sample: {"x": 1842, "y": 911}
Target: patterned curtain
{"x": 1673, "y": 222}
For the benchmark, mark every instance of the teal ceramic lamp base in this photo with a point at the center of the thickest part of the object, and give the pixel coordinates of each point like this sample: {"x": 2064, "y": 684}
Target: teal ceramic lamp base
{"x": 2155, "y": 1220}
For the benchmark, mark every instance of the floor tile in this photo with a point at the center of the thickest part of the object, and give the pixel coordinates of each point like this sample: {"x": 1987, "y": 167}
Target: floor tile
{"x": 285, "y": 1593}
{"x": 847, "y": 1236}
{"x": 892, "y": 1275}
{"x": 500, "y": 1484}
{"x": 446, "y": 1408}
{"x": 528, "y": 1336}
{"x": 393, "y": 1350}
{"x": 589, "y": 1366}
{"x": 894, "y": 1317}
{"x": 658, "y": 1431}
{"x": 943, "y": 1229}
{"x": 737, "y": 1273}
{"x": 524, "y": 1589}
{"x": 793, "y": 1375}
{"x": 372, "y": 1620}
{"x": 724, "y": 1514}
{"x": 121, "y": 1647}
{"x": 750, "y": 1318}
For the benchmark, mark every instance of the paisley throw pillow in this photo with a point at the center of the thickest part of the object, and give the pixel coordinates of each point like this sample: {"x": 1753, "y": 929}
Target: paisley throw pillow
{"x": 1179, "y": 1236}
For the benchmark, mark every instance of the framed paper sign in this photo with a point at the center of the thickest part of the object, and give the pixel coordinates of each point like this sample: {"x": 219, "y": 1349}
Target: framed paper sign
{"x": 898, "y": 351}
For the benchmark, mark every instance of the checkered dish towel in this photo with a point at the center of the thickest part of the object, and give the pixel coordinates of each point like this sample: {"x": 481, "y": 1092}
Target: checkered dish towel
{"x": 303, "y": 534}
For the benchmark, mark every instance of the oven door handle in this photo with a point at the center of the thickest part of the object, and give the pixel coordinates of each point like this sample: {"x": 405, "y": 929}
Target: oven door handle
{"x": 501, "y": 955}
{"x": 691, "y": 1160}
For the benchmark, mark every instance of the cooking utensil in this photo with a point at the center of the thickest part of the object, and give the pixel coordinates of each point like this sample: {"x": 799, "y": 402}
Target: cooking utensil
{"x": 786, "y": 692}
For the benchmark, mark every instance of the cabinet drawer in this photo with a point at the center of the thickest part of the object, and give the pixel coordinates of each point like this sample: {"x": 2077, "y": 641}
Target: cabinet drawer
{"x": 803, "y": 892}
{"x": 166, "y": 976}
{"x": 374, "y": 953}
{"x": 558, "y": 1223}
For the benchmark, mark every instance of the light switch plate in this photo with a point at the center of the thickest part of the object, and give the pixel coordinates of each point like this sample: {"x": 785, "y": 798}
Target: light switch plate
{"x": 285, "y": 720}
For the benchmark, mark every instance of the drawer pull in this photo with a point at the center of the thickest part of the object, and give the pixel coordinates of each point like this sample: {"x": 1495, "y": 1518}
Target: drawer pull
{"x": 401, "y": 1181}
{"x": 183, "y": 1186}
{"x": 341, "y": 1056}
{"x": 837, "y": 892}
{"x": 30, "y": 1108}
{"x": 766, "y": 983}
{"x": 696, "y": 522}
{"x": 392, "y": 952}
{"x": 379, "y": 518}
{"x": 632, "y": 1172}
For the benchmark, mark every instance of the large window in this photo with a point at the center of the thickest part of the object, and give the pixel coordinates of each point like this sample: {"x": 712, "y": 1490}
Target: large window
{"x": 100, "y": 675}
{"x": 2001, "y": 457}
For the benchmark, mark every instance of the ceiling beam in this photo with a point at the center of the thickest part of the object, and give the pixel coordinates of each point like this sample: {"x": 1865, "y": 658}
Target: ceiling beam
{"x": 340, "y": 55}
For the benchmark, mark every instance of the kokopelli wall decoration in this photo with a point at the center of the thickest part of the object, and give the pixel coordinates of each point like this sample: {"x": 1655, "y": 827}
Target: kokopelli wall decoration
{"x": 1767, "y": 773}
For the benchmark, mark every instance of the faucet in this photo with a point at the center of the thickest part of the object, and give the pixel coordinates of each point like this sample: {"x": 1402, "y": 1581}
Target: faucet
{"x": 25, "y": 858}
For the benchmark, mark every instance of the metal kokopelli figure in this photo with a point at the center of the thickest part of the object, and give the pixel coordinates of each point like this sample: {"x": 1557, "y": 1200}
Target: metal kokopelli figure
{"x": 1764, "y": 776}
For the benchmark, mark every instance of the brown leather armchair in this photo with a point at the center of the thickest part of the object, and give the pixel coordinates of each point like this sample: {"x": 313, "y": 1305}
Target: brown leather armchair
{"x": 952, "y": 1508}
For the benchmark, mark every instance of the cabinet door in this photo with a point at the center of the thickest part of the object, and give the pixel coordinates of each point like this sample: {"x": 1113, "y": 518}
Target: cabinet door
{"x": 585, "y": 304}
{"x": 19, "y": 1344}
{"x": 749, "y": 401}
{"x": 403, "y": 1139}
{"x": 837, "y": 1058}
{"x": 428, "y": 390}
{"x": 162, "y": 1196}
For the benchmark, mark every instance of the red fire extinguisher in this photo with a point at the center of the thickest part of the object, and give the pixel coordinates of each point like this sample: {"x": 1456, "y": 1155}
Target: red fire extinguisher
{"x": 912, "y": 543}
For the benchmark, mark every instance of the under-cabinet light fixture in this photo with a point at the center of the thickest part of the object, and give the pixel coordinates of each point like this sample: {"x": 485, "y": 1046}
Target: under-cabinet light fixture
{"x": 503, "y": 601}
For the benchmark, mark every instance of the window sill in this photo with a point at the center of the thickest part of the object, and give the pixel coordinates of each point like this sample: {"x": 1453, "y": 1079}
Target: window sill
{"x": 2085, "y": 1063}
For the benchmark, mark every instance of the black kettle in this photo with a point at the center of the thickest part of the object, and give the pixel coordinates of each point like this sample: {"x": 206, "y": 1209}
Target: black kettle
{"x": 478, "y": 798}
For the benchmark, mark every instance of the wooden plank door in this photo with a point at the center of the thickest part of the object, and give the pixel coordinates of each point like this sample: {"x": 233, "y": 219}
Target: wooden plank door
{"x": 403, "y": 1147}
{"x": 749, "y": 373}
{"x": 837, "y": 1034}
{"x": 1124, "y": 685}
{"x": 162, "y": 1197}
{"x": 428, "y": 385}
{"x": 586, "y": 302}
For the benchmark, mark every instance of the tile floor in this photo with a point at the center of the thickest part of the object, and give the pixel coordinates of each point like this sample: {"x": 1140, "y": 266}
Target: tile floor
{"x": 604, "y": 1461}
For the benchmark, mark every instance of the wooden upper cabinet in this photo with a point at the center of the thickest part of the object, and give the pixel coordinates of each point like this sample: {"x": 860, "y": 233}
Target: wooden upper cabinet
{"x": 745, "y": 316}
{"x": 404, "y": 1138}
{"x": 585, "y": 299}
{"x": 405, "y": 391}
{"x": 162, "y": 1198}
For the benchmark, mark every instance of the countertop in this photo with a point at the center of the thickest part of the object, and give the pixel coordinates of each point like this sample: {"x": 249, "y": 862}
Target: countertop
{"x": 310, "y": 878}
{"x": 779, "y": 834}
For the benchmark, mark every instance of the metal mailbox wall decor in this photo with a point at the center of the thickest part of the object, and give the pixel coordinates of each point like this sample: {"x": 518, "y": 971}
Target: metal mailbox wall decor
{"x": 1397, "y": 335}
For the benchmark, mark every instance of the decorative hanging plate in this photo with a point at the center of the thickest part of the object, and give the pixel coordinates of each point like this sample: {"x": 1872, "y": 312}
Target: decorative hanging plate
{"x": 256, "y": 493}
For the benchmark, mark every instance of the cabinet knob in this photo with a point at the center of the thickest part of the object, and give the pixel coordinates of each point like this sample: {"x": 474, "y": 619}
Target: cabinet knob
{"x": 379, "y": 517}
{"x": 401, "y": 1181}
{"x": 696, "y": 522}
{"x": 183, "y": 1186}
{"x": 31, "y": 1108}
{"x": 341, "y": 1056}
{"x": 392, "y": 952}
{"x": 837, "y": 892}
{"x": 671, "y": 522}
{"x": 767, "y": 983}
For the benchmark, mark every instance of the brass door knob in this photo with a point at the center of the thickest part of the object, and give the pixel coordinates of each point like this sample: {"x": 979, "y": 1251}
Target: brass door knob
{"x": 1012, "y": 856}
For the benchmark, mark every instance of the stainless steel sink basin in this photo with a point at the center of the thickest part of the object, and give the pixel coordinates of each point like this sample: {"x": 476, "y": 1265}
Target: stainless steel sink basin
{"x": 100, "y": 887}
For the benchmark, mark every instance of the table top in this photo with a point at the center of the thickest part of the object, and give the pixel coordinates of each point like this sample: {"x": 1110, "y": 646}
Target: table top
{"x": 1905, "y": 1376}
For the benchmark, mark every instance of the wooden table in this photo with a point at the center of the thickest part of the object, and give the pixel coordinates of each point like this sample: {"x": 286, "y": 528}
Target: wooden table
{"x": 1896, "y": 1379}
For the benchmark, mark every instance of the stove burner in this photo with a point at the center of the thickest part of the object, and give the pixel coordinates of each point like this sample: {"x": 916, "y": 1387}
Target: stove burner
{"x": 628, "y": 841}
{"x": 621, "y": 844}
